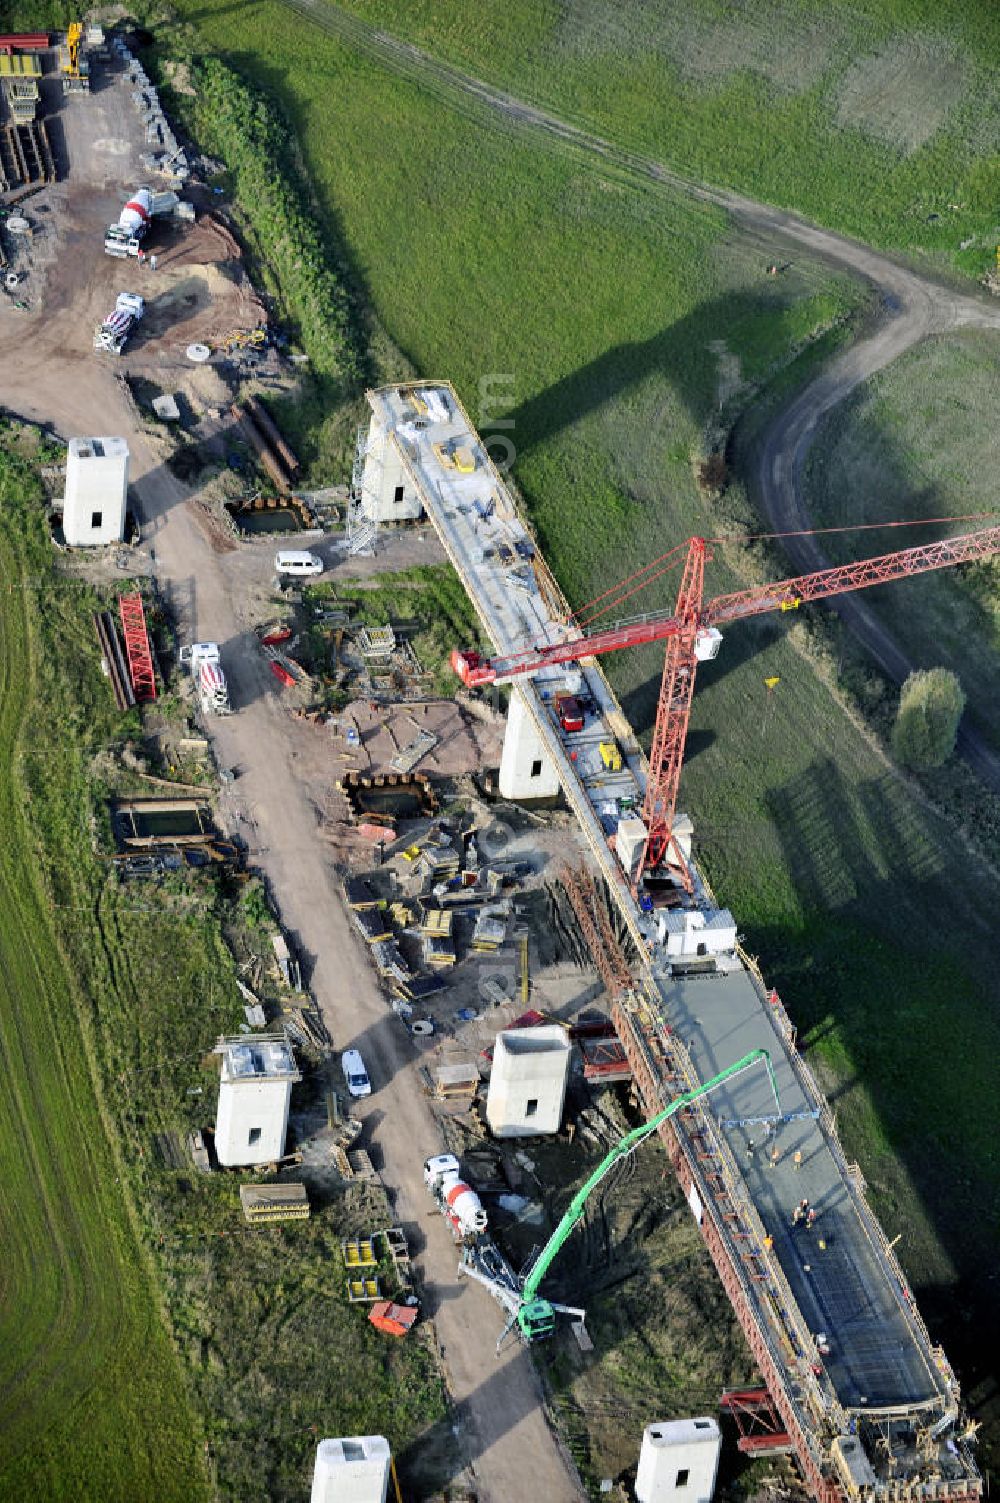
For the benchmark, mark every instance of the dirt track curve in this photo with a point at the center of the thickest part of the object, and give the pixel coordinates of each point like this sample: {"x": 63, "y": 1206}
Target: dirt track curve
{"x": 911, "y": 307}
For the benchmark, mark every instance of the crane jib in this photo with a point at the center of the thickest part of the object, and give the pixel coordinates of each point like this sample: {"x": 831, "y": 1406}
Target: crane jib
{"x": 787, "y": 594}
{"x": 784, "y": 595}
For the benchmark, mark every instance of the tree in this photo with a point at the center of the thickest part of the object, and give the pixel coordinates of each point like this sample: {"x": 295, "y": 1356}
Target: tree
{"x": 930, "y": 707}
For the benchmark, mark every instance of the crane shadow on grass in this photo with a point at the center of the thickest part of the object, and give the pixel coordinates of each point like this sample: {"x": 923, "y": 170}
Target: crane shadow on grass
{"x": 889, "y": 978}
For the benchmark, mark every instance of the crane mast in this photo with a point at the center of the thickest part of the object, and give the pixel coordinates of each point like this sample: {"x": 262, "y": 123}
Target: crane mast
{"x": 674, "y": 711}
{"x": 691, "y": 634}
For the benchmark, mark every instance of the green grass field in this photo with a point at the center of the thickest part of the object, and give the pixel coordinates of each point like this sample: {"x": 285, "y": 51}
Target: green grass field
{"x": 625, "y": 318}
{"x": 94, "y": 1402}
{"x": 111, "y": 1238}
{"x": 921, "y": 440}
{"x": 879, "y": 117}
{"x": 36, "y": 15}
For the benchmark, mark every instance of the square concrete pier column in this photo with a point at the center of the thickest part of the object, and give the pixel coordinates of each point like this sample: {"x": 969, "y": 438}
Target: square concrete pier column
{"x": 352, "y": 1469}
{"x": 678, "y": 1462}
{"x": 528, "y": 1081}
{"x": 96, "y": 492}
{"x": 526, "y": 772}
{"x": 387, "y": 492}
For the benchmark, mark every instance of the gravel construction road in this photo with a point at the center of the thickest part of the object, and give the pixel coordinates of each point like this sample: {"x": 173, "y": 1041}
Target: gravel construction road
{"x": 50, "y": 375}
{"x": 499, "y": 1424}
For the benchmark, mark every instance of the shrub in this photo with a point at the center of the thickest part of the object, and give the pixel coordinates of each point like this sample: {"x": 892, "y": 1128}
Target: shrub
{"x": 930, "y": 707}
{"x": 237, "y": 122}
{"x": 713, "y": 474}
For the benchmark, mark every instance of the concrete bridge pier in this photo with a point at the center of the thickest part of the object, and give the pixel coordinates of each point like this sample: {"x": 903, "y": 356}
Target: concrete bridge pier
{"x": 526, "y": 770}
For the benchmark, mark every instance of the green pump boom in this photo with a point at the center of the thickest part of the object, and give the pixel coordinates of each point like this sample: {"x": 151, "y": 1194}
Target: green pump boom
{"x": 536, "y": 1316}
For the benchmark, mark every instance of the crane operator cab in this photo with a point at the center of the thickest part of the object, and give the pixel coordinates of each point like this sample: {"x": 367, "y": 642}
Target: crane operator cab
{"x": 707, "y": 642}
{"x": 536, "y": 1320}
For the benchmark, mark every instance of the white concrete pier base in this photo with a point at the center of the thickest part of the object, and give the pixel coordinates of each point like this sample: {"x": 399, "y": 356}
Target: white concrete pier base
{"x": 387, "y": 492}
{"x": 679, "y": 1462}
{"x": 525, "y": 770}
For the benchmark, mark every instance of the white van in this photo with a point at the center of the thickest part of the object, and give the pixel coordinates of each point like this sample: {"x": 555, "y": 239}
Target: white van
{"x": 290, "y": 561}
{"x": 355, "y": 1074}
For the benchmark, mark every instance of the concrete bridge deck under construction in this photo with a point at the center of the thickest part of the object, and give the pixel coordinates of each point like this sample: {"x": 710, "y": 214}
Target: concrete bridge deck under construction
{"x": 867, "y": 1402}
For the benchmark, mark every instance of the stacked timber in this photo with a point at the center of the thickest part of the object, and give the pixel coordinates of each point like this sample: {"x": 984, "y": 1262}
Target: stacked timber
{"x": 373, "y": 924}
{"x": 491, "y": 928}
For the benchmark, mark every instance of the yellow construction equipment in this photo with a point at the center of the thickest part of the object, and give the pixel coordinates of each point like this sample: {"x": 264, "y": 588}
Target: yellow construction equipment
{"x": 76, "y": 79}
{"x": 458, "y": 457}
{"x": 74, "y": 36}
{"x": 247, "y": 339}
{"x": 611, "y": 756}
{"x": 359, "y": 1252}
{"x": 264, "y": 1203}
{"x": 363, "y": 1291}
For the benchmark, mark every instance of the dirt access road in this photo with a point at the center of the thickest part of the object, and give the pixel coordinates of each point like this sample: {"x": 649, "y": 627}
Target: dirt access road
{"x": 50, "y": 374}
{"x": 500, "y": 1428}
{"x": 911, "y": 307}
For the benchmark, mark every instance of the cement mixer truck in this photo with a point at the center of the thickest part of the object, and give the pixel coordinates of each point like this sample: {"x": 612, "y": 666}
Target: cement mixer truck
{"x": 117, "y": 328}
{"x": 203, "y": 660}
{"x": 458, "y": 1202}
{"x": 125, "y": 238}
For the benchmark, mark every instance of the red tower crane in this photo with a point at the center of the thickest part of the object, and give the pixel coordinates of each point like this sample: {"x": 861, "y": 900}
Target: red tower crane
{"x": 691, "y": 634}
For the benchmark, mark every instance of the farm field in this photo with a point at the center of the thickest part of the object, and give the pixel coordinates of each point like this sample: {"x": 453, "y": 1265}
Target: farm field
{"x": 94, "y": 1401}
{"x": 919, "y": 440}
{"x": 878, "y": 118}
{"x": 100, "y": 1403}
{"x": 626, "y": 324}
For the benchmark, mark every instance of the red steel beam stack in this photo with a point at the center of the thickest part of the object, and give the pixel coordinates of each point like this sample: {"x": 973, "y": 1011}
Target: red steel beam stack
{"x": 24, "y": 41}
{"x": 137, "y": 648}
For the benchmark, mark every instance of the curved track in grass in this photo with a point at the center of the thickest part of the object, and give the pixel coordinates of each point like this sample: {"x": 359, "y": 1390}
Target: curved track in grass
{"x": 911, "y": 305}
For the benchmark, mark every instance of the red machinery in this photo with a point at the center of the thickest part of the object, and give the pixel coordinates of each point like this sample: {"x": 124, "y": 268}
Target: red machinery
{"x": 691, "y": 634}
{"x": 140, "y": 655}
{"x": 395, "y": 1320}
{"x": 24, "y": 41}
